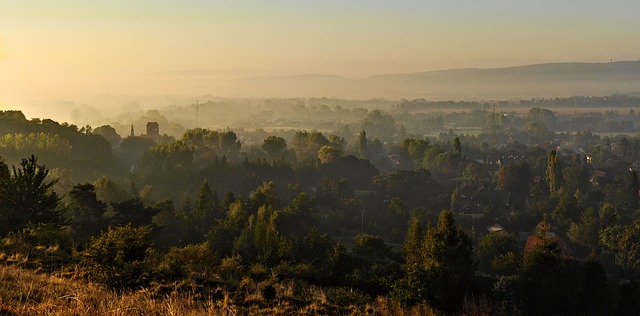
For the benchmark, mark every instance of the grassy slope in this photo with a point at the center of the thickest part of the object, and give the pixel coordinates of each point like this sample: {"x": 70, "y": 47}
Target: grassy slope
{"x": 26, "y": 292}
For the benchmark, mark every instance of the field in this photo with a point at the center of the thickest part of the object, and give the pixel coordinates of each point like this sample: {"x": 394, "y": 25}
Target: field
{"x": 26, "y": 292}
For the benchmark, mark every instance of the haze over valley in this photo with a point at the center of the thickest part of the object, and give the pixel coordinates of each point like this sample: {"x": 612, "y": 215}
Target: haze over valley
{"x": 319, "y": 158}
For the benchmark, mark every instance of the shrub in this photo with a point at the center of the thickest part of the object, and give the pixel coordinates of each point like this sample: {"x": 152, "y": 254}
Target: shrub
{"x": 190, "y": 261}
{"x": 120, "y": 257}
{"x": 258, "y": 271}
{"x": 231, "y": 270}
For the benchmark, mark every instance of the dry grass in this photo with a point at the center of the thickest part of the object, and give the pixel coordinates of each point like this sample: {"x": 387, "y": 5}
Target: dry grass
{"x": 25, "y": 292}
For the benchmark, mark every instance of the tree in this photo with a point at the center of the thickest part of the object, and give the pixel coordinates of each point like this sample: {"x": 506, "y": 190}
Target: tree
{"x": 221, "y": 237}
{"x": 274, "y": 146}
{"x": 457, "y": 146}
{"x": 608, "y": 215}
{"x": 627, "y": 195}
{"x": 494, "y": 247}
{"x": 447, "y": 247}
{"x": 109, "y": 133}
{"x": 259, "y": 239}
{"x": 622, "y": 147}
{"x": 585, "y": 232}
{"x": 133, "y": 212}
{"x": 6, "y": 213}
{"x": 108, "y": 191}
{"x": 28, "y": 197}
{"x": 412, "y": 248}
{"x": 548, "y": 282}
{"x": 515, "y": 178}
{"x": 229, "y": 144}
{"x": 204, "y": 201}
{"x": 371, "y": 248}
{"x": 445, "y": 270}
{"x": 297, "y": 219}
{"x": 625, "y": 240}
{"x": 362, "y": 144}
{"x": 266, "y": 195}
{"x": 134, "y": 147}
{"x": 566, "y": 211}
{"x": 576, "y": 178}
{"x": 306, "y": 144}
{"x": 328, "y": 154}
{"x": 554, "y": 172}
{"x": 541, "y": 116}
{"x": 174, "y": 157}
{"x": 85, "y": 212}
{"x": 379, "y": 125}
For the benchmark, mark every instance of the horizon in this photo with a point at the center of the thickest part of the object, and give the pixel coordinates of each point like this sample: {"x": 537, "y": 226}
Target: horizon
{"x": 52, "y": 51}
{"x": 277, "y": 85}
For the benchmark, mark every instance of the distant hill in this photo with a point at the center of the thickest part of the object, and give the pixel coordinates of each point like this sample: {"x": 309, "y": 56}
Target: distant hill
{"x": 541, "y": 80}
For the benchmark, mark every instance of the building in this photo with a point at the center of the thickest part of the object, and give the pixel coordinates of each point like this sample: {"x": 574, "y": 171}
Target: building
{"x": 153, "y": 130}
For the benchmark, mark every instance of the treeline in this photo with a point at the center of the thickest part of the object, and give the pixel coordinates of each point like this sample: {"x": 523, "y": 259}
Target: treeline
{"x": 406, "y": 221}
{"x": 613, "y": 101}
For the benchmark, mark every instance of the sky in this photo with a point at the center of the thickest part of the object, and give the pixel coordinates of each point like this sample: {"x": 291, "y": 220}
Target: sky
{"x": 72, "y": 48}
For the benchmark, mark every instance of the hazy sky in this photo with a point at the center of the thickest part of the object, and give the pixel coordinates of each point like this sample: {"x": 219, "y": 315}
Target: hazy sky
{"x": 64, "y": 48}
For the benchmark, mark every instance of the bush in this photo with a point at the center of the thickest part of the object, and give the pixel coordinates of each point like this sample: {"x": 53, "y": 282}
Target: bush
{"x": 120, "y": 257}
{"x": 190, "y": 261}
{"x": 231, "y": 270}
{"x": 286, "y": 270}
{"x": 258, "y": 271}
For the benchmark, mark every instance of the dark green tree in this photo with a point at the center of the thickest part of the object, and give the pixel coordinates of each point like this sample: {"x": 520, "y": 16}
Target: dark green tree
{"x": 133, "y": 212}
{"x": 585, "y": 232}
{"x": 85, "y": 212}
{"x": 412, "y": 248}
{"x": 379, "y": 125}
{"x": 28, "y": 196}
{"x": 627, "y": 195}
{"x": 274, "y": 146}
{"x": 515, "y": 178}
{"x": 554, "y": 172}
{"x": 109, "y": 133}
{"x": 547, "y": 281}
{"x": 446, "y": 268}
{"x": 266, "y": 195}
{"x": 362, "y": 144}
{"x": 204, "y": 202}
{"x": 496, "y": 247}
{"x": 566, "y": 211}
{"x": 229, "y": 144}
{"x": 457, "y": 146}
{"x": 608, "y": 215}
{"x": 221, "y": 237}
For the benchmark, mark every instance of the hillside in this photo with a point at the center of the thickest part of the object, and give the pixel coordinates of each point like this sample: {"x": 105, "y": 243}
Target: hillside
{"x": 531, "y": 81}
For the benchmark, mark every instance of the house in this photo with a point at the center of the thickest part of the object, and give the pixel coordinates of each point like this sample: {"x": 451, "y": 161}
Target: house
{"x": 535, "y": 240}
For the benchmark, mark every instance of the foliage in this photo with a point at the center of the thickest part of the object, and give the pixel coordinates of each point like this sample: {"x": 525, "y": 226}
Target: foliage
{"x": 121, "y": 257}
{"x": 27, "y": 196}
{"x": 444, "y": 270}
{"x": 85, "y": 212}
{"x": 494, "y": 251}
{"x": 284, "y": 218}
{"x": 196, "y": 261}
{"x": 554, "y": 172}
{"x": 515, "y": 178}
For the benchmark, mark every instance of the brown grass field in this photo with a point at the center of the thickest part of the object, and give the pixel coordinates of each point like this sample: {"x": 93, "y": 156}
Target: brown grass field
{"x": 27, "y": 292}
